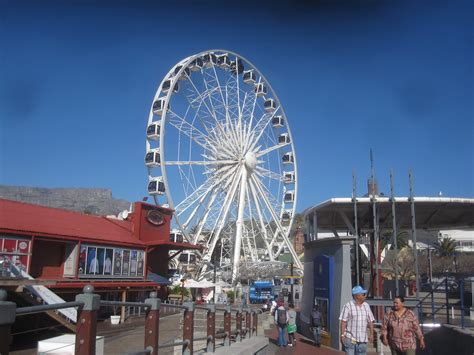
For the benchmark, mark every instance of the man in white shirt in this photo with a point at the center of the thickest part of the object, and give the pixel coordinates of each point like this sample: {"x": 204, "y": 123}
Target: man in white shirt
{"x": 355, "y": 317}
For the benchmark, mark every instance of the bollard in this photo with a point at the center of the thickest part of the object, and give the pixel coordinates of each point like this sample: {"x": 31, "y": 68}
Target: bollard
{"x": 211, "y": 328}
{"x": 227, "y": 325}
{"x": 152, "y": 323}
{"x": 86, "y": 329}
{"x": 188, "y": 327}
{"x": 7, "y": 318}
{"x": 238, "y": 322}
{"x": 248, "y": 330}
{"x": 255, "y": 323}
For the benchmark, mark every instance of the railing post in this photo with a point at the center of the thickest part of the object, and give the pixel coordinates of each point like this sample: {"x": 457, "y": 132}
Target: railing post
{"x": 188, "y": 327}
{"x": 248, "y": 330}
{"x": 7, "y": 319}
{"x": 211, "y": 328}
{"x": 255, "y": 323}
{"x": 86, "y": 329}
{"x": 447, "y": 299}
{"x": 433, "y": 306}
{"x": 152, "y": 323}
{"x": 461, "y": 290}
{"x": 227, "y": 325}
{"x": 238, "y": 322}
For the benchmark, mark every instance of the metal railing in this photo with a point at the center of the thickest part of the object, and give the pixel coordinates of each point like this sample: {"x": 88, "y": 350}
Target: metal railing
{"x": 88, "y": 304}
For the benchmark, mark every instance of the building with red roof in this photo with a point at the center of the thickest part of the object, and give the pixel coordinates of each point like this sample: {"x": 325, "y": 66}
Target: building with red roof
{"x": 121, "y": 257}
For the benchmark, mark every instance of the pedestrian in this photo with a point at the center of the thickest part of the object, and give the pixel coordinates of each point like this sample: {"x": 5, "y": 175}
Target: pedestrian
{"x": 281, "y": 320}
{"x": 316, "y": 324}
{"x": 400, "y": 329}
{"x": 355, "y": 318}
{"x": 273, "y": 307}
{"x": 291, "y": 328}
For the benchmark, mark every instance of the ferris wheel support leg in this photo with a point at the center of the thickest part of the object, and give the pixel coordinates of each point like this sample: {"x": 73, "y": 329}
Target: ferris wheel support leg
{"x": 240, "y": 224}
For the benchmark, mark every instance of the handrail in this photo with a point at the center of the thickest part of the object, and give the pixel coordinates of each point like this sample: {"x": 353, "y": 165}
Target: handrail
{"x": 47, "y": 307}
{"x": 121, "y": 303}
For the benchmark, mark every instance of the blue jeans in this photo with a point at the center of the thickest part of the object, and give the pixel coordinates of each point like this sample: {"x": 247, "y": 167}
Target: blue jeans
{"x": 352, "y": 349}
{"x": 317, "y": 334}
{"x": 281, "y": 336}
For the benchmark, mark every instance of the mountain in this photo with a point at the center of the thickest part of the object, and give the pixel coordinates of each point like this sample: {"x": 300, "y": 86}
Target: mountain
{"x": 90, "y": 201}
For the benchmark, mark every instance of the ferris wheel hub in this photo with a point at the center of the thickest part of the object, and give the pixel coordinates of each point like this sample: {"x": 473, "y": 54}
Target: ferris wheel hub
{"x": 250, "y": 161}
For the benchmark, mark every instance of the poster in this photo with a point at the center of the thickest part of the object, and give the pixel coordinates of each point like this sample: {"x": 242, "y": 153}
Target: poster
{"x": 92, "y": 266}
{"x": 109, "y": 255}
{"x": 100, "y": 260}
{"x": 118, "y": 262}
{"x": 82, "y": 260}
{"x": 9, "y": 245}
{"x": 70, "y": 259}
{"x": 23, "y": 246}
{"x": 133, "y": 263}
{"x": 140, "y": 262}
{"x": 126, "y": 262}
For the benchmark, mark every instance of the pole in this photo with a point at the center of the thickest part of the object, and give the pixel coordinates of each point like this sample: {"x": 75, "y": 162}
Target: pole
{"x": 413, "y": 231}
{"x": 394, "y": 231}
{"x": 152, "y": 323}
{"x": 86, "y": 329}
{"x": 356, "y": 229}
{"x": 292, "y": 281}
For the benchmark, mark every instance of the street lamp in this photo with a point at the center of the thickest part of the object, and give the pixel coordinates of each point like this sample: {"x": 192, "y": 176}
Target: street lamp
{"x": 182, "y": 290}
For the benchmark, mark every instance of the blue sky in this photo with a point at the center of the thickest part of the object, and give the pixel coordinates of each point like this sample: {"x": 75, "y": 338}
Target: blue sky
{"x": 77, "y": 79}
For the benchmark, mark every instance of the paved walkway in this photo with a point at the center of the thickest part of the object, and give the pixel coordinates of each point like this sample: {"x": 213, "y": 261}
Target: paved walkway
{"x": 303, "y": 345}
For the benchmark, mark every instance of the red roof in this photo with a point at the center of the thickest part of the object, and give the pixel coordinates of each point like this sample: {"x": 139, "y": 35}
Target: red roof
{"x": 24, "y": 218}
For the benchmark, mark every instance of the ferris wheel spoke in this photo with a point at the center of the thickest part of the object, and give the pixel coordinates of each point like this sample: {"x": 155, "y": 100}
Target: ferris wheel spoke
{"x": 254, "y": 230}
{"x": 192, "y": 198}
{"x": 189, "y": 130}
{"x": 261, "y": 126}
{"x": 268, "y": 173}
{"x": 271, "y": 149}
{"x": 202, "y": 98}
{"x": 204, "y": 162}
{"x": 203, "y": 220}
{"x": 277, "y": 221}
{"x": 222, "y": 216}
{"x": 260, "y": 218}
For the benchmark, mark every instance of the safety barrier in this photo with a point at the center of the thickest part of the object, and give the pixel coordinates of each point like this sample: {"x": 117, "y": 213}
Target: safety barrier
{"x": 88, "y": 305}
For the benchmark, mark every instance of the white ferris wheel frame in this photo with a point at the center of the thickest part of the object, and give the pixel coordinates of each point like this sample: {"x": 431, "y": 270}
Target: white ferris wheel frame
{"x": 254, "y": 188}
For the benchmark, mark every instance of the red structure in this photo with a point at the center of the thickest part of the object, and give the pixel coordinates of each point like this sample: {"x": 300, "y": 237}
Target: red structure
{"x": 121, "y": 258}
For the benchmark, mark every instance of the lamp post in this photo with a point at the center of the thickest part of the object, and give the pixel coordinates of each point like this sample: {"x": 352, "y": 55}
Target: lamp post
{"x": 182, "y": 290}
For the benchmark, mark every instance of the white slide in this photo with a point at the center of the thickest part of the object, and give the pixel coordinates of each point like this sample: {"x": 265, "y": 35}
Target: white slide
{"x": 48, "y": 296}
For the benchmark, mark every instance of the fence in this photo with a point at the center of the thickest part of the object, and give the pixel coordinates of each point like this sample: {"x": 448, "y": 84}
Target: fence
{"x": 88, "y": 305}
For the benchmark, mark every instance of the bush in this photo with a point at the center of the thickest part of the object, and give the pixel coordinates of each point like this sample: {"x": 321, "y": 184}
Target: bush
{"x": 230, "y": 296}
{"x": 177, "y": 289}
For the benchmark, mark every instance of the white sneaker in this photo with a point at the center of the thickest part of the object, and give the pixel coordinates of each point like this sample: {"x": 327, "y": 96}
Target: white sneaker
{"x": 290, "y": 344}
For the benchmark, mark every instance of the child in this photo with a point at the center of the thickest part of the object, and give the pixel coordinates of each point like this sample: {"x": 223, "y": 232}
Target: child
{"x": 291, "y": 325}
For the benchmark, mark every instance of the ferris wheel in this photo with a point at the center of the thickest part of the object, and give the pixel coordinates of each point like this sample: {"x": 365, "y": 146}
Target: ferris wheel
{"x": 219, "y": 151}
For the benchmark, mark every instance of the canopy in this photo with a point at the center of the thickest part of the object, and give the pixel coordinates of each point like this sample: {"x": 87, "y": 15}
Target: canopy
{"x": 197, "y": 284}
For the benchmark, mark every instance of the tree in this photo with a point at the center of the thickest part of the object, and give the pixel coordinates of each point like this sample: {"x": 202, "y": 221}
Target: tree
{"x": 445, "y": 247}
{"x": 405, "y": 261}
{"x": 386, "y": 240}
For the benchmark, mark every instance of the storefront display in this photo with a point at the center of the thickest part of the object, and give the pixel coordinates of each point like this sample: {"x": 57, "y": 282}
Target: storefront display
{"x": 115, "y": 262}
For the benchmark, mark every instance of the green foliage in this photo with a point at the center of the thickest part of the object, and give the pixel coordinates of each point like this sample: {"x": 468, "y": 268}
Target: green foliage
{"x": 387, "y": 238}
{"x": 177, "y": 289}
{"x": 445, "y": 246}
{"x": 230, "y": 296}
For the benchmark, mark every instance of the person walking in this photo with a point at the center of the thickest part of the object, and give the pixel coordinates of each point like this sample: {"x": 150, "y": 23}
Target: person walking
{"x": 281, "y": 319}
{"x": 355, "y": 318}
{"x": 291, "y": 328}
{"x": 400, "y": 329}
{"x": 316, "y": 324}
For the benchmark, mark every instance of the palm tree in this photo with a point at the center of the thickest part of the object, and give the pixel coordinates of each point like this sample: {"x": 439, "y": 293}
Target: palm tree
{"x": 445, "y": 246}
{"x": 386, "y": 239}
